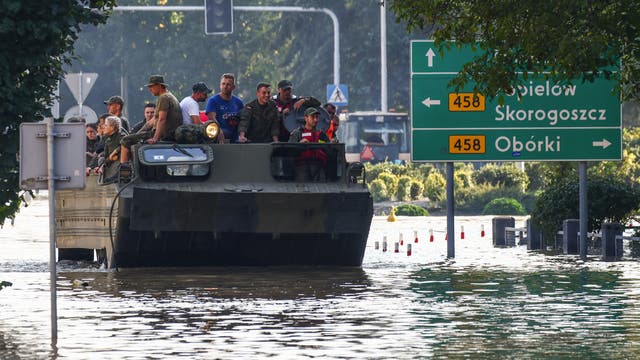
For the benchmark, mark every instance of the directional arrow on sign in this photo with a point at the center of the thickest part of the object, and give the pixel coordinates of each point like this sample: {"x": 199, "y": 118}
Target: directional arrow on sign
{"x": 430, "y": 54}
{"x": 604, "y": 143}
{"x": 428, "y": 102}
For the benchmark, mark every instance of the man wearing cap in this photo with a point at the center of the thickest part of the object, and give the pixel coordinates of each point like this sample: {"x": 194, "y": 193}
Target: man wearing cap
{"x": 286, "y": 101}
{"x": 114, "y": 107}
{"x": 259, "y": 121}
{"x": 189, "y": 105}
{"x": 311, "y": 162}
{"x": 224, "y": 107}
{"x": 167, "y": 118}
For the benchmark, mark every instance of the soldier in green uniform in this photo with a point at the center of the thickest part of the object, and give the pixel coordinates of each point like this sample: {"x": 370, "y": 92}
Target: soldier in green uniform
{"x": 167, "y": 118}
{"x": 259, "y": 120}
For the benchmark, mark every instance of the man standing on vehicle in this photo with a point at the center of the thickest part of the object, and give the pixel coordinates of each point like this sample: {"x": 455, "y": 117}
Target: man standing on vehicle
{"x": 189, "y": 105}
{"x": 225, "y": 107}
{"x": 167, "y": 118}
{"x": 287, "y": 102}
{"x": 114, "y": 107}
{"x": 334, "y": 122}
{"x": 259, "y": 121}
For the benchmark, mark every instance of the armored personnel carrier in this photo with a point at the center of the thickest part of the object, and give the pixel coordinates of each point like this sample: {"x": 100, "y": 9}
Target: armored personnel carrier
{"x": 223, "y": 204}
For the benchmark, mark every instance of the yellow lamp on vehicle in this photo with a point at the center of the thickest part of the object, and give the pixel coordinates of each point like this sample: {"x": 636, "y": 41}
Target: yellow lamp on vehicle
{"x": 211, "y": 129}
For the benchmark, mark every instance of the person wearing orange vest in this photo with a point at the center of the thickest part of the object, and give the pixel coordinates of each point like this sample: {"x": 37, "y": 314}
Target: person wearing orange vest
{"x": 334, "y": 121}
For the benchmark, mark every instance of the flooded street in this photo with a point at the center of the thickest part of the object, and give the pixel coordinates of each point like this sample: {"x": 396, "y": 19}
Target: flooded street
{"x": 487, "y": 303}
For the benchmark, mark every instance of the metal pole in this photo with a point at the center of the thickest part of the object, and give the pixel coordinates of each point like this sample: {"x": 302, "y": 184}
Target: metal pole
{"x": 451, "y": 249}
{"x": 583, "y": 208}
{"x": 52, "y": 230}
{"x": 80, "y": 93}
{"x": 383, "y": 58}
{"x": 332, "y": 15}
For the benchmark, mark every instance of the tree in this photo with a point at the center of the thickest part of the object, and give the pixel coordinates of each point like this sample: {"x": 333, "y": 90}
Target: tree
{"x": 36, "y": 40}
{"x": 561, "y": 40}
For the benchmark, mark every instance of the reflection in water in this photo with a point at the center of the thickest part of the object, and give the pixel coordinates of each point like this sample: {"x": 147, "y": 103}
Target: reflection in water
{"x": 487, "y": 303}
{"x": 484, "y": 313}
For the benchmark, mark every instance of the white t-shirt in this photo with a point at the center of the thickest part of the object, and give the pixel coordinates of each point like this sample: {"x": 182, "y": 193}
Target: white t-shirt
{"x": 189, "y": 107}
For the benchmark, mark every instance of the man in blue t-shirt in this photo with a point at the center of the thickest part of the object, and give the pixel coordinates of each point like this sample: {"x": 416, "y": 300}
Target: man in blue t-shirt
{"x": 225, "y": 108}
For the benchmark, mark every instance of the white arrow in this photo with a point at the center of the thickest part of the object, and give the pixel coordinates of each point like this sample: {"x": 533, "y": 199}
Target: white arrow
{"x": 430, "y": 54}
{"x": 428, "y": 102}
{"x": 604, "y": 143}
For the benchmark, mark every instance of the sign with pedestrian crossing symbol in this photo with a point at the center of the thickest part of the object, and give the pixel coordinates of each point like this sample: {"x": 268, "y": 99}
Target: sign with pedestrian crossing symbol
{"x": 337, "y": 94}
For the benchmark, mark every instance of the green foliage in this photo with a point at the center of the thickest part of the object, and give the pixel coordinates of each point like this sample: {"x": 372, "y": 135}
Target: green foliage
{"x": 537, "y": 174}
{"x": 403, "y": 192}
{"x": 411, "y": 210}
{"x": 378, "y": 190}
{"x": 506, "y": 175}
{"x": 36, "y": 40}
{"x": 551, "y": 39}
{"x": 629, "y": 167}
{"x": 504, "y": 206}
{"x": 609, "y": 199}
{"x": 463, "y": 176}
{"x": 435, "y": 186}
{"x": 4, "y": 284}
{"x": 415, "y": 189}
{"x": 473, "y": 200}
{"x": 391, "y": 183}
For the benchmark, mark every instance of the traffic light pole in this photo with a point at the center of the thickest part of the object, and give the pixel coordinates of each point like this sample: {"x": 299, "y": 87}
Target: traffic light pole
{"x": 332, "y": 15}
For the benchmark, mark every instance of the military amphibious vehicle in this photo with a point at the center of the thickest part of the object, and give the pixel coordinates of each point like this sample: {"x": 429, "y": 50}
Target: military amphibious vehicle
{"x": 223, "y": 204}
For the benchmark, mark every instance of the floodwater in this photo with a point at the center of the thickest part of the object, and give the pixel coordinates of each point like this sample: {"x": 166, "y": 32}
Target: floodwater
{"x": 487, "y": 303}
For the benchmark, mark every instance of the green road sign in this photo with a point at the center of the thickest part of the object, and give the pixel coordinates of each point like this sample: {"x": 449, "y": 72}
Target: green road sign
{"x": 517, "y": 144}
{"x": 543, "y": 104}
{"x": 572, "y": 113}
{"x": 425, "y": 57}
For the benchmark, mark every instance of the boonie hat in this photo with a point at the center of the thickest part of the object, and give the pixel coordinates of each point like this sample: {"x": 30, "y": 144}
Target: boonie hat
{"x": 114, "y": 100}
{"x": 201, "y": 87}
{"x": 311, "y": 111}
{"x": 156, "y": 79}
{"x": 285, "y": 84}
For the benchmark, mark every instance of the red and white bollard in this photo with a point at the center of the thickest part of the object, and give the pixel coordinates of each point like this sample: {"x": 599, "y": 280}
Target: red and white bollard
{"x": 430, "y": 235}
{"x": 415, "y": 236}
{"x": 408, "y": 249}
{"x": 481, "y": 230}
{"x": 401, "y": 239}
{"x": 446, "y": 236}
{"x": 397, "y": 248}
{"x": 384, "y": 243}
{"x": 461, "y": 232}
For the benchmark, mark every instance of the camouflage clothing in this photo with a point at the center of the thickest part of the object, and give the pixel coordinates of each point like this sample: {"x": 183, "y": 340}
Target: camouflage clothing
{"x": 189, "y": 134}
{"x": 167, "y": 102}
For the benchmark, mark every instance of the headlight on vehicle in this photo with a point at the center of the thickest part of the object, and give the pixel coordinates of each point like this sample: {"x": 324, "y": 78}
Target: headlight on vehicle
{"x": 211, "y": 129}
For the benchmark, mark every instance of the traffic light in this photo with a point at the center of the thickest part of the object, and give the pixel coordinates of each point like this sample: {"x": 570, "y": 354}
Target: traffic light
{"x": 218, "y": 16}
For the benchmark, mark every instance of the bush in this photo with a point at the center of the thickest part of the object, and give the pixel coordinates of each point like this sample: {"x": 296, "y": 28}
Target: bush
{"x": 463, "y": 176}
{"x": 609, "y": 199}
{"x": 411, "y": 210}
{"x": 504, "y": 206}
{"x": 402, "y": 194}
{"x": 391, "y": 183}
{"x": 415, "y": 189}
{"x": 435, "y": 186}
{"x": 378, "y": 190}
{"x": 506, "y": 175}
{"x": 473, "y": 200}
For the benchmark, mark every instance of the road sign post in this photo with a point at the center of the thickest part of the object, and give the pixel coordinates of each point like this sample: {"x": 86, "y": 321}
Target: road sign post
{"x": 549, "y": 122}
